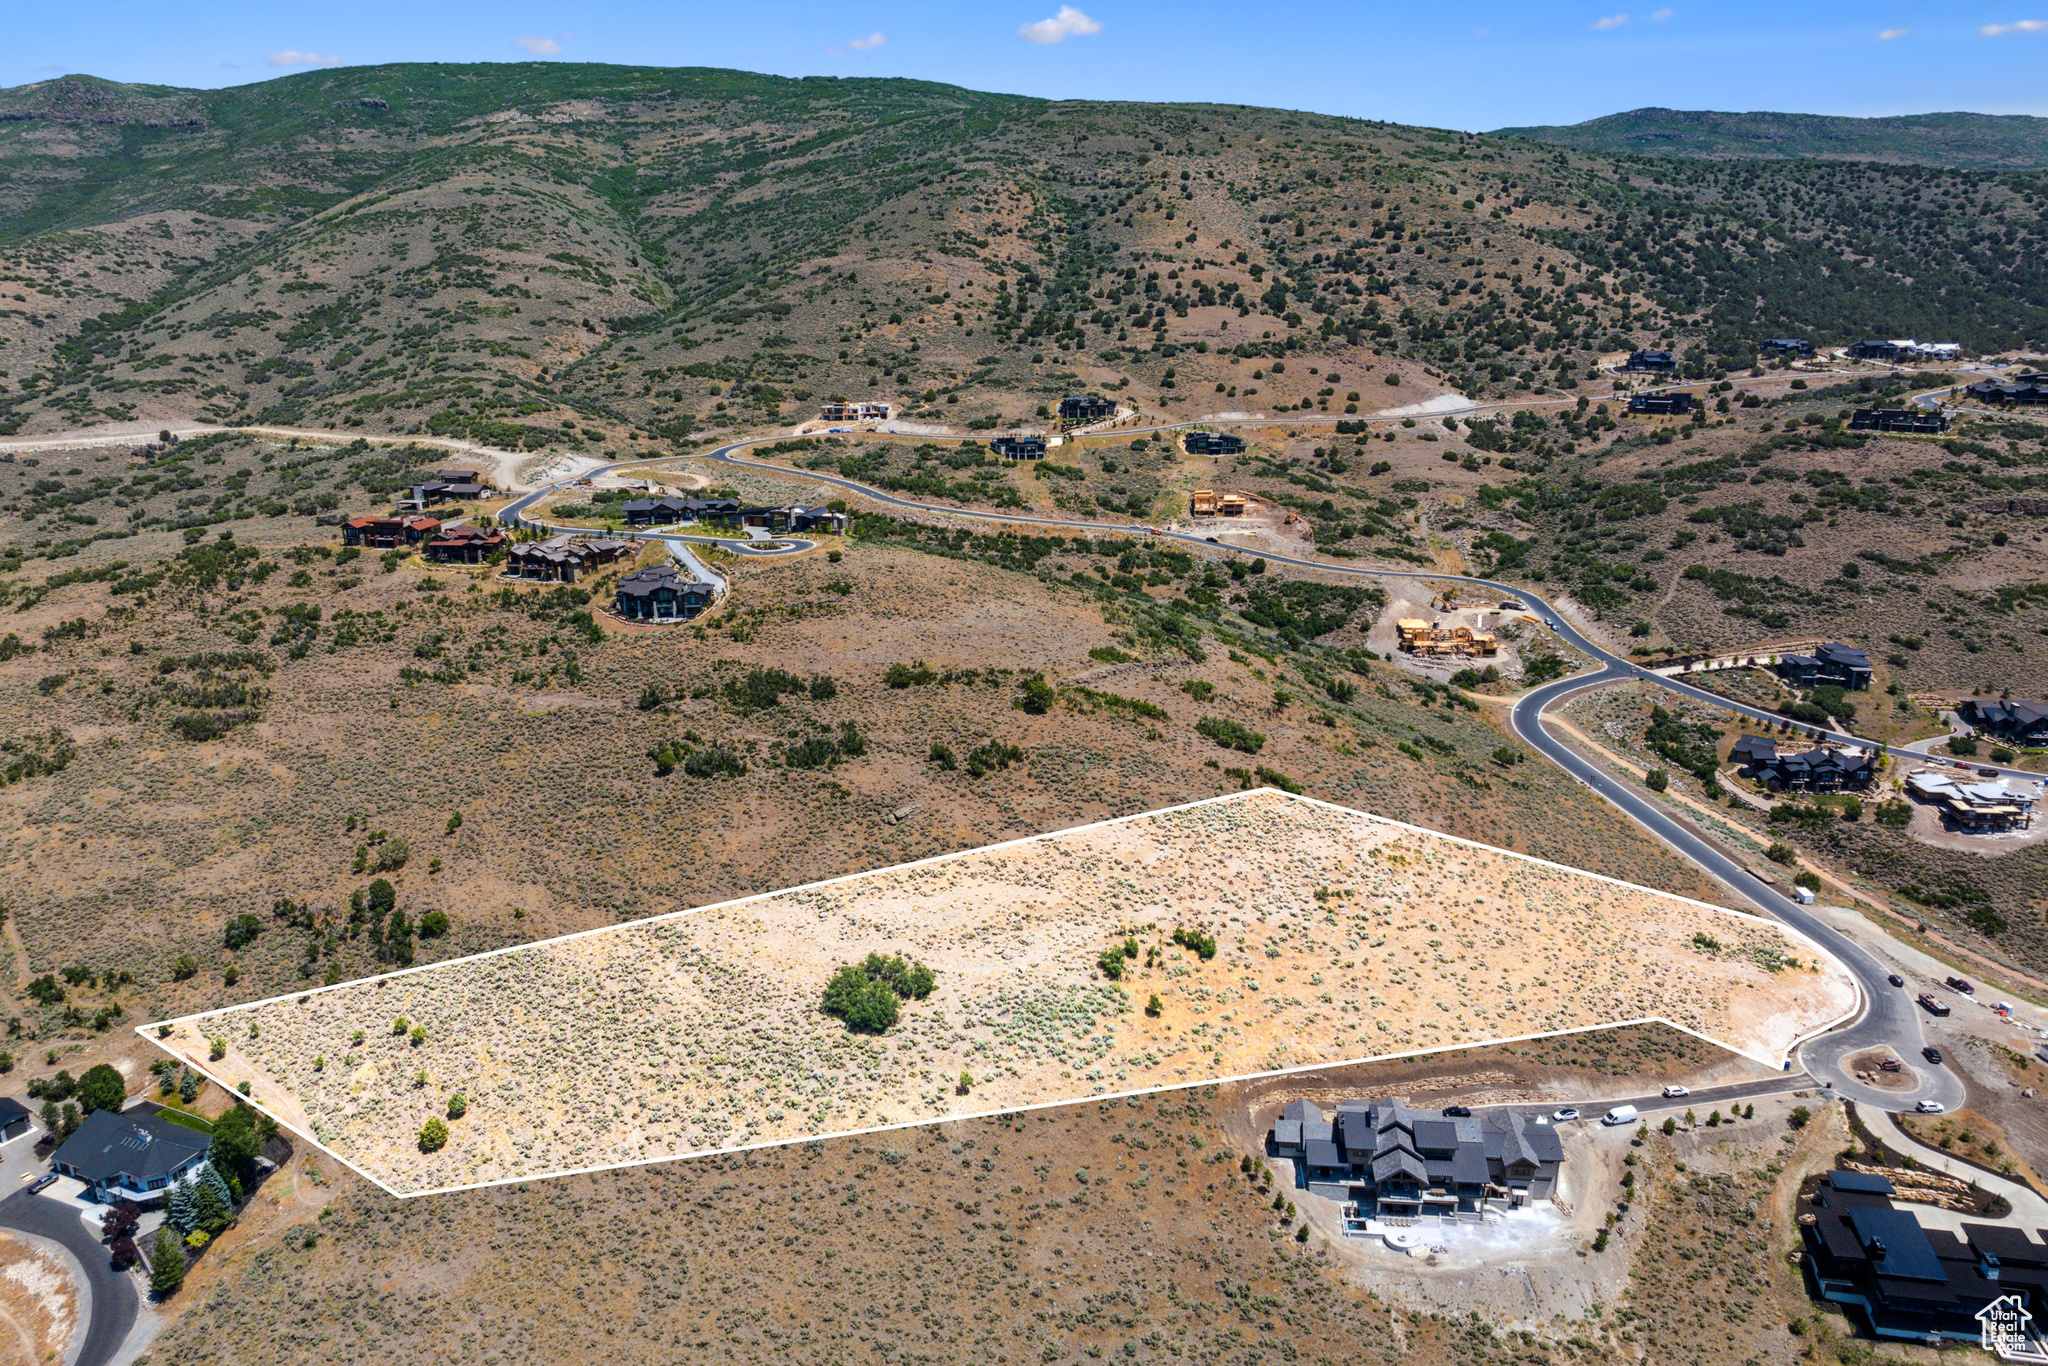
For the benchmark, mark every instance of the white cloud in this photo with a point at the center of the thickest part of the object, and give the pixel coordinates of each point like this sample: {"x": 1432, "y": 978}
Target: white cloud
{"x": 1068, "y": 23}
{"x": 1611, "y": 21}
{"x": 293, "y": 57}
{"x": 1892, "y": 33}
{"x": 1662, "y": 16}
{"x": 869, "y": 43}
{"x": 539, "y": 46}
{"x": 2023, "y": 26}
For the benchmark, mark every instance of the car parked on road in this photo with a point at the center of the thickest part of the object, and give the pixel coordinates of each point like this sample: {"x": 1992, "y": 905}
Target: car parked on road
{"x": 1566, "y": 1115}
{"x": 1931, "y": 1107}
{"x": 41, "y": 1182}
{"x": 1896, "y": 980}
{"x": 1931, "y": 1053}
{"x": 1674, "y": 1092}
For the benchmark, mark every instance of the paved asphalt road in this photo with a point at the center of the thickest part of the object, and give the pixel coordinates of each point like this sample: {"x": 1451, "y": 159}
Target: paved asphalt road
{"x": 1889, "y": 1018}
{"x": 113, "y": 1292}
{"x": 1701, "y": 1101}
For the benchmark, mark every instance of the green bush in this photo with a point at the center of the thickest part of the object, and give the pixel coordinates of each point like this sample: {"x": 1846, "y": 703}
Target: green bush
{"x": 1231, "y": 734}
{"x": 1657, "y": 780}
{"x": 1037, "y": 697}
{"x": 1203, "y": 945}
{"x": 433, "y": 1136}
{"x": 101, "y": 1088}
{"x": 867, "y": 995}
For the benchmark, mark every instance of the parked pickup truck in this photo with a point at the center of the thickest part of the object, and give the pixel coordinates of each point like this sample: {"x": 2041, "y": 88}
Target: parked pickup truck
{"x": 1961, "y": 984}
{"x": 1933, "y": 1004}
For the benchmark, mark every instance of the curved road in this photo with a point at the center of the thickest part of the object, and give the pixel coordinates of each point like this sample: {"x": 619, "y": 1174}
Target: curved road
{"x": 114, "y": 1298}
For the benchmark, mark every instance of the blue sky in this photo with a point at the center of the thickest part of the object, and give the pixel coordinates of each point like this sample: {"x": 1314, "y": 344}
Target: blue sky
{"x": 1449, "y": 63}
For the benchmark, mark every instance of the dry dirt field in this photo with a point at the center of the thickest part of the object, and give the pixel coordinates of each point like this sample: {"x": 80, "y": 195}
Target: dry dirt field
{"x": 701, "y": 1031}
{"x": 38, "y": 1303}
{"x": 1057, "y": 1235}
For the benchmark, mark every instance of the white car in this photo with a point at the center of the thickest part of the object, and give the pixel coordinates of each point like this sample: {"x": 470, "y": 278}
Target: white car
{"x": 1566, "y": 1115}
{"x": 1931, "y": 1107}
{"x": 1675, "y": 1092}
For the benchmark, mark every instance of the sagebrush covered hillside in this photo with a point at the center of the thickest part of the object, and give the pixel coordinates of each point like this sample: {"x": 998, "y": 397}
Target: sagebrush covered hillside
{"x": 584, "y": 255}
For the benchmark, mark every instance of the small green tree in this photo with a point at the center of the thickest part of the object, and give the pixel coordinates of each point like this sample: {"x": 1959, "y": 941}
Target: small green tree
{"x": 1038, "y": 696}
{"x": 1154, "y": 1006}
{"x": 101, "y": 1088}
{"x": 1800, "y": 1117}
{"x": 861, "y": 1000}
{"x": 458, "y": 1105}
{"x": 382, "y": 897}
{"x": 966, "y": 1081}
{"x": 433, "y": 1136}
{"x": 1657, "y": 780}
{"x": 1669, "y": 1126}
{"x": 166, "y": 1264}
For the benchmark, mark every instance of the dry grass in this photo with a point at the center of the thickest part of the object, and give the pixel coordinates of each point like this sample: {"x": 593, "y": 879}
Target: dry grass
{"x": 38, "y": 1303}
{"x": 1341, "y": 936}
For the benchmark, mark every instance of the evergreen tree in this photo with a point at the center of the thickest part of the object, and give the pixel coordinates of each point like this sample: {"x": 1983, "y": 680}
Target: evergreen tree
{"x": 166, "y": 1264}
{"x": 188, "y": 1085}
{"x": 211, "y": 1179}
{"x": 180, "y": 1208}
{"x": 212, "y": 1210}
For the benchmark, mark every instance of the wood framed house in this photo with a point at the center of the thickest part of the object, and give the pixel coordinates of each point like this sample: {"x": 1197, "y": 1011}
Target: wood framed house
{"x": 465, "y": 545}
{"x": 563, "y": 559}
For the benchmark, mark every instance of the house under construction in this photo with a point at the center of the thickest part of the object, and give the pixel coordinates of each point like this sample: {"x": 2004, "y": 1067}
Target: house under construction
{"x": 1438, "y": 639}
{"x": 1209, "y": 503}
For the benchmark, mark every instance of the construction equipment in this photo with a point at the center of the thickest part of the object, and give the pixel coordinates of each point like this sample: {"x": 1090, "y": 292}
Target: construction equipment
{"x": 1202, "y": 503}
{"x": 1437, "y": 639}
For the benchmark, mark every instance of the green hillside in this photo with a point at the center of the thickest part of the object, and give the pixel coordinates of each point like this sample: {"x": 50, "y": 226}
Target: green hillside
{"x": 547, "y": 254}
{"x": 1977, "y": 142}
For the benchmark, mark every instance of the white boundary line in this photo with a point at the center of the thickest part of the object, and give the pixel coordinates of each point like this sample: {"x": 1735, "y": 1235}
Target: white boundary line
{"x": 148, "y": 1031}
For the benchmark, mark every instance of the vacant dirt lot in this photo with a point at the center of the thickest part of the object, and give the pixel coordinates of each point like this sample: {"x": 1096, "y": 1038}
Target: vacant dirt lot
{"x": 702, "y": 1031}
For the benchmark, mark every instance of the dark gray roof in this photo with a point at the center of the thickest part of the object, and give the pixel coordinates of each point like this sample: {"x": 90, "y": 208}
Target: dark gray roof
{"x": 1287, "y": 1133}
{"x": 1398, "y": 1162}
{"x": 1870, "y": 1182}
{"x": 1322, "y": 1153}
{"x": 11, "y": 1110}
{"x": 137, "y": 1146}
{"x": 1468, "y": 1165}
{"x": 1760, "y": 748}
{"x": 2011, "y": 1246}
{"x": 1301, "y": 1110}
{"x": 1318, "y": 1130}
{"x": 1435, "y": 1135}
{"x": 1906, "y": 1253}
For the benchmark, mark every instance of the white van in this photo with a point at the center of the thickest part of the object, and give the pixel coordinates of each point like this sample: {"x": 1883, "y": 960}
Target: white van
{"x": 1620, "y": 1114}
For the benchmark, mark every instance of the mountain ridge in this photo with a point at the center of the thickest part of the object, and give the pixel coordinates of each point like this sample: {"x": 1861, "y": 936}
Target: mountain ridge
{"x": 1957, "y": 139}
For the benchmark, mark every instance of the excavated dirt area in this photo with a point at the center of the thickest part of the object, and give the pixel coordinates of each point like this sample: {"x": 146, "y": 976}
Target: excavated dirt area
{"x": 1338, "y": 936}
